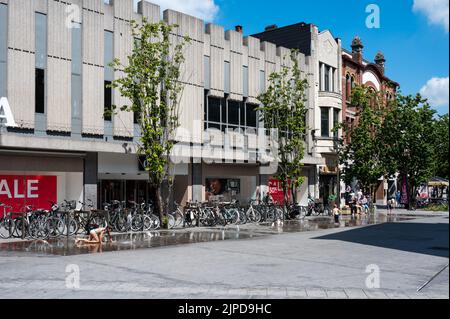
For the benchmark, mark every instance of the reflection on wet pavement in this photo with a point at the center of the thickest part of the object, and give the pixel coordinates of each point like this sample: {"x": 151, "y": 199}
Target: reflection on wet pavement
{"x": 123, "y": 242}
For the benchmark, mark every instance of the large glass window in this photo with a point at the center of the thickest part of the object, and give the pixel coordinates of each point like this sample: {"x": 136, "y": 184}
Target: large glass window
{"x": 40, "y": 61}
{"x": 109, "y": 55}
{"x": 40, "y": 91}
{"x": 252, "y": 120}
{"x": 325, "y": 121}
{"x": 41, "y": 40}
{"x": 76, "y": 49}
{"x": 108, "y": 101}
{"x": 233, "y": 112}
{"x": 214, "y": 109}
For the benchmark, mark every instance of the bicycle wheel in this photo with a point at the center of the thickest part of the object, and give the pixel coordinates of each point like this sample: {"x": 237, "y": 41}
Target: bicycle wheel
{"x": 178, "y": 216}
{"x": 137, "y": 223}
{"x": 242, "y": 217}
{"x": 72, "y": 227}
{"x": 233, "y": 216}
{"x": 21, "y": 228}
{"x": 156, "y": 223}
{"x": 6, "y": 228}
{"x": 170, "y": 221}
{"x": 54, "y": 226}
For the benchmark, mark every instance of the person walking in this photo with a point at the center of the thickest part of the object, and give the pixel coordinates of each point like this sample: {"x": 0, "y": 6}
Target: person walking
{"x": 398, "y": 198}
{"x": 336, "y": 214}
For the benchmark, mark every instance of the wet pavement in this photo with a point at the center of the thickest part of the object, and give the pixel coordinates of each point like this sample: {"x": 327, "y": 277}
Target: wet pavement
{"x": 163, "y": 238}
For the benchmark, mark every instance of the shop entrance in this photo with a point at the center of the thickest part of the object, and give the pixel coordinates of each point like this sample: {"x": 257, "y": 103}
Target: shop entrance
{"x": 328, "y": 189}
{"x": 123, "y": 190}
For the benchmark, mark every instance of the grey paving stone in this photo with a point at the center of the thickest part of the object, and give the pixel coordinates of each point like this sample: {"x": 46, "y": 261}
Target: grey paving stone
{"x": 336, "y": 294}
{"x": 296, "y": 293}
{"x": 375, "y": 294}
{"x": 356, "y": 293}
{"x": 277, "y": 293}
{"x": 316, "y": 293}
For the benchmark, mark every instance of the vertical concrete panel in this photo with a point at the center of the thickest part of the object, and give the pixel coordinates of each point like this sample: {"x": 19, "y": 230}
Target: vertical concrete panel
{"x": 58, "y": 69}
{"x": 150, "y": 11}
{"x": 21, "y": 61}
{"x": 123, "y": 47}
{"x": 93, "y": 68}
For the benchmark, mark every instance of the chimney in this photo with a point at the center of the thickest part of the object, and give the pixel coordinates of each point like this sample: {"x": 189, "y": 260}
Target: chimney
{"x": 239, "y": 29}
{"x": 380, "y": 61}
{"x": 357, "y": 49}
{"x": 271, "y": 27}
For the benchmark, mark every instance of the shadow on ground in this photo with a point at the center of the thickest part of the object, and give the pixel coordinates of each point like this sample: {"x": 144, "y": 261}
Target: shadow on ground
{"x": 423, "y": 238}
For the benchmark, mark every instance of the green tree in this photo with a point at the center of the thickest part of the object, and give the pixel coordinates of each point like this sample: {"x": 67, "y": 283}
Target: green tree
{"x": 408, "y": 139}
{"x": 361, "y": 152}
{"x": 441, "y": 146}
{"x": 151, "y": 83}
{"x": 283, "y": 112}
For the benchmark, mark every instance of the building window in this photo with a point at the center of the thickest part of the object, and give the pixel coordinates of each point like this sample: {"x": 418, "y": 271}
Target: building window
{"x": 320, "y": 76}
{"x": 245, "y": 84}
{"x": 325, "y": 121}
{"x": 207, "y": 63}
{"x": 336, "y": 122}
{"x": 41, "y": 40}
{"x": 347, "y": 88}
{"x": 227, "y": 80}
{"x": 40, "y": 91}
{"x": 214, "y": 109}
{"x": 327, "y": 78}
{"x": 252, "y": 118}
{"x": 233, "y": 113}
{"x": 108, "y": 101}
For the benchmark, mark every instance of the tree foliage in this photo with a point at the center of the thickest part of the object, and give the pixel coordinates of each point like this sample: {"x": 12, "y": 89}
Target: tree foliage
{"x": 283, "y": 111}
{"x": 409, "y": 139}
{"x": 151, "y": 83}
{"x": 361, "y": 151}
{"x": 441, "y": 142}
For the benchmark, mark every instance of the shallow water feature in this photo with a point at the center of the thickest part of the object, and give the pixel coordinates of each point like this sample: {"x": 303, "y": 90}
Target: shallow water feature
{"x": 158, "y": 239}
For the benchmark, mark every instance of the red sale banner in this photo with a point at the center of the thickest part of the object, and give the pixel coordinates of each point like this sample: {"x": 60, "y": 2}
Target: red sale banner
{"x": 20, "y": 191}
{"x": 276, "y": 191}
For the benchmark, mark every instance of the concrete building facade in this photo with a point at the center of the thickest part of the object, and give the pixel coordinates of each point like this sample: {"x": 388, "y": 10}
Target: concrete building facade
{"x": 54, "y": 74}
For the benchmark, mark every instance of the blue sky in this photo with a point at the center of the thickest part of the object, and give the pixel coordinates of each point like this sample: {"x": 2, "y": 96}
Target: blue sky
{"x": 415, "y": 41}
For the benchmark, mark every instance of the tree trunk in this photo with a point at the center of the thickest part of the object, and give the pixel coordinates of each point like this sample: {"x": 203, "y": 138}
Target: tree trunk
{"x": 155, "y": 195}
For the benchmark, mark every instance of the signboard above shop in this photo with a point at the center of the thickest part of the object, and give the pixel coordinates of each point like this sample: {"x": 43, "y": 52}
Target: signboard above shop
{"x": 20, "y": 191}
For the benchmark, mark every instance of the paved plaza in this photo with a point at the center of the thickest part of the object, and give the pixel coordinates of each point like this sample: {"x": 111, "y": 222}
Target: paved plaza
{"x": 387, "y": 260}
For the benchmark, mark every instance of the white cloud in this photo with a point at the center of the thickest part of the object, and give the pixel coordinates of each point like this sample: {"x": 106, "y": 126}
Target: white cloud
{"x": 203, "y": 9}
{"x": 436, "y": 91}
{"x": 435, "y": 10}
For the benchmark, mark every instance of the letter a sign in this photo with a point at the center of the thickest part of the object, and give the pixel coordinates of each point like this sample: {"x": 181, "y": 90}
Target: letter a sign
{"x": 6, "y": 115}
